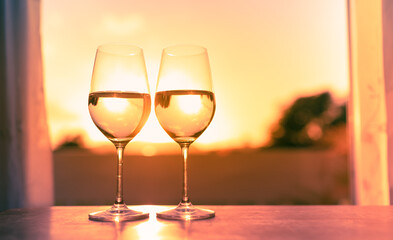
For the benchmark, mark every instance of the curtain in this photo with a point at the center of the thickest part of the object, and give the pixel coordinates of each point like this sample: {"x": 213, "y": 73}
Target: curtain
{"x": 370, "y": 117}
{"x": 387, "y": 22}
{"x": 26, "y": 175}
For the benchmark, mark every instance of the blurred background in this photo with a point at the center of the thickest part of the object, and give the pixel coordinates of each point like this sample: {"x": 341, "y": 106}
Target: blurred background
{"x": 280, "y": 75}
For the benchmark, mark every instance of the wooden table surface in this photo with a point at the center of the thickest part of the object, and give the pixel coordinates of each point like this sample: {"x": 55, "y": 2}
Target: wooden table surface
{"x": 231, "y": 222}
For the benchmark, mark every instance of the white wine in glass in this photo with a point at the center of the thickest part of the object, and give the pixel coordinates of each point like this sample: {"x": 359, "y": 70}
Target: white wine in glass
{"x": 119, "y": 105}
{"x": 184, "y": 106}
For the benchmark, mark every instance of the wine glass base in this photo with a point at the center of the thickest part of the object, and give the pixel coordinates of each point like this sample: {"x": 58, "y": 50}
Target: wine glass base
{"x": 118, "y": 213}
{"x": 186, "y": 211}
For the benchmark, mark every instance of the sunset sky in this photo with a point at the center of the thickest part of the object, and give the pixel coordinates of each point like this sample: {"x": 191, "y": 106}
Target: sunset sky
{"x": 263, "y": 54}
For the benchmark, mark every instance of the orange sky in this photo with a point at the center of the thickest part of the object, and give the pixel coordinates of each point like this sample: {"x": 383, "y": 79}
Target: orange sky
{"x": 263, "y": 53}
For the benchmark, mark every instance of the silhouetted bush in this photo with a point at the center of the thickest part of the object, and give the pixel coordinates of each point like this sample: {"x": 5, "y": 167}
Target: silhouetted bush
{"x": 307, "y": 120}
{"x": 71, "y": 142}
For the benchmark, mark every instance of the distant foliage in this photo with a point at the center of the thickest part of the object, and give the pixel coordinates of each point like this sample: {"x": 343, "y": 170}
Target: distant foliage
{"x": 74, "y": 142}
{"x": 307, "y": 120}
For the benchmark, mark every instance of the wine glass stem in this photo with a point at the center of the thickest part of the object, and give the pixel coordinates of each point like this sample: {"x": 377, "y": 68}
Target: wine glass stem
{"x": 184, "y": 149}
{"x": 119, "y": 190}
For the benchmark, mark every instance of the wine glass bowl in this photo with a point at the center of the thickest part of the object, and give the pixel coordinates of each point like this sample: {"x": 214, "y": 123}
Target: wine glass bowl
{"x": 119, "y": 105}
{"x": 185, "y": 106}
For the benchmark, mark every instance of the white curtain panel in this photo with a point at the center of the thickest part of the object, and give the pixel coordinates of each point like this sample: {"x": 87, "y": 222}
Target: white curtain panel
{"x": 371, "y": 100}
{"x": 26, "y": 172}
{"x": 387, "y": 23}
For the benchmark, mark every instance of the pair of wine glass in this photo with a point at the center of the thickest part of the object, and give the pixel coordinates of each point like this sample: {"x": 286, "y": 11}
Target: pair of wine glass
{"x": 119, "y": 105}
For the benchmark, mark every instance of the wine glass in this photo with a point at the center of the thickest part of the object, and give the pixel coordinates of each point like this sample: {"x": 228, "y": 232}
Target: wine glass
{"x": 184, "y": 106}
{"x": 119, "y": 105}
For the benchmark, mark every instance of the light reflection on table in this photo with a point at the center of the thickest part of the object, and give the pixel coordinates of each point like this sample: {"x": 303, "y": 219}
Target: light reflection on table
{"x": 151, "y": 228}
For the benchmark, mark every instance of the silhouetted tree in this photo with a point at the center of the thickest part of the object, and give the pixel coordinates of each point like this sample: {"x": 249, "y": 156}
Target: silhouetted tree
{"x": 306, "y": 120}
{"x": 74, "y": 142}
